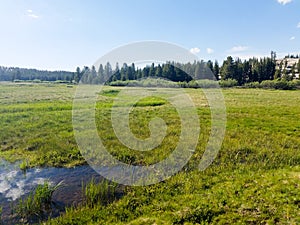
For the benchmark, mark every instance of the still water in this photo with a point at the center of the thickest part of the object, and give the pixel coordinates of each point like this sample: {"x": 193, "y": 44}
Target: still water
{"x": 15, "y": 184}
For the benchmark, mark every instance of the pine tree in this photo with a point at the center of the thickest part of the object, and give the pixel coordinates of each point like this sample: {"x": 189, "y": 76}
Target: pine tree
{"x": 100, "y": 74}
{"x": 294, "y": 71}
{"x": 227, "y": 70}
{"x": 158, "y": 71}
{"x": 77, "y": 76}
{"x": 216, "y": 70}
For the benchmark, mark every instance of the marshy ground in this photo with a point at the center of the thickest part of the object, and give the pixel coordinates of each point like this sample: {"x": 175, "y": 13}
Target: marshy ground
{"x": 255, "y": 178}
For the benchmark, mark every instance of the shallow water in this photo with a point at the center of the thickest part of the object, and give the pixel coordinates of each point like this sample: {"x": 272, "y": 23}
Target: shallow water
{"x": 15, "y": 184}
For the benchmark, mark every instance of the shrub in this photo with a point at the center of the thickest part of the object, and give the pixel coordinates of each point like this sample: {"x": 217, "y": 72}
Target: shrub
{"x": 228, "y": 83}
{"x": 252, "y": 85}
{"x": 278, "y": 84}
{"x": 207, "y": 83}
{"x": 296, "y": 82}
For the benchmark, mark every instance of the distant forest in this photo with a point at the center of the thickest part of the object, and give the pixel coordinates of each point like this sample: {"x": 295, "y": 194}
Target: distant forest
{"x": 247, "y": 71}
{"x": 15, "y": 74}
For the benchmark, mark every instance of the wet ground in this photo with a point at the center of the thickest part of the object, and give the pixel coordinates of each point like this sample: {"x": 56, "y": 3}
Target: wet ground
{"x": 15, "y": 184}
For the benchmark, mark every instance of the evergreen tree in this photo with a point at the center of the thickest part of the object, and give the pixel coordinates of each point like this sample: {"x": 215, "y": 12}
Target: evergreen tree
{"x": 100, "y": 74}
{"x": 158, "y": 71}
{"x": 293, "y": 71}
{"x": 228, "y": 69}
{"x": 152, "y": 70}
{"x": 107, "y": 71}
{"x": 216, "y": 70}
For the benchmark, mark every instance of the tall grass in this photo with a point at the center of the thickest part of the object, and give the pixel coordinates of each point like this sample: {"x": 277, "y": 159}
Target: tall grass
{"x": 24, "y": 165}
{"x": 99, "y": 193}
{"x": 37, "y": 203}
{"x": 1, "y": 214}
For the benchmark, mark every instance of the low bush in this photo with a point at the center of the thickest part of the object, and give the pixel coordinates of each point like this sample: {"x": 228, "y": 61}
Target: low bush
{"x": 278, "y": 84}
{"x": 228, "y": 83}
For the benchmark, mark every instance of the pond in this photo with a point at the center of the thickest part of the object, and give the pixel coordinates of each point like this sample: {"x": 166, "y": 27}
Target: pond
{"x": 14, "y": 184}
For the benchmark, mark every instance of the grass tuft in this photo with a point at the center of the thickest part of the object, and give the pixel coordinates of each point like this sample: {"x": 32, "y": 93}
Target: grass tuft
{"x": 37, "y": 203}
{"x": 99, "y": 193}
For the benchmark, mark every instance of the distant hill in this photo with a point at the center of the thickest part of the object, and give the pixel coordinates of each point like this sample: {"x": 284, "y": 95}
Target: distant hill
{"x": 15, "y": 73}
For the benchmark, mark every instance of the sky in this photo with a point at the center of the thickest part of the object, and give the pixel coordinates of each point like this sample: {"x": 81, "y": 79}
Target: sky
{"x": 64, "y": 34}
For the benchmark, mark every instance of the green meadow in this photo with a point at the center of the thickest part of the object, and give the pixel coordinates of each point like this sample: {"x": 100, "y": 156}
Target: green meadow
{"x": 255, "y": 178}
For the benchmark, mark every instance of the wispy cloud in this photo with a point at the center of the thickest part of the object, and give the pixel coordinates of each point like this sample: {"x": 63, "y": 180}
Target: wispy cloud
{"x": 238, "y": 49}
{"x": 210, "y": 51}
{"x": 31, "y": 14}
{"x": 298, "y": 25}
{"x": 195, "y": 50}
{"x": 292, "y": 38}
{"x": 284, "y": 2}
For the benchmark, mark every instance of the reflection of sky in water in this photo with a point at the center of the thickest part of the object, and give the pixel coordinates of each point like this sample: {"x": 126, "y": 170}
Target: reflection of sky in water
{"x": 14, "y": 183}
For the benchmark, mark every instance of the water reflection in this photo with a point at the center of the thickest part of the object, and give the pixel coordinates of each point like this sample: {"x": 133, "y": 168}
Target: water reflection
{"x": 14, "y": 184}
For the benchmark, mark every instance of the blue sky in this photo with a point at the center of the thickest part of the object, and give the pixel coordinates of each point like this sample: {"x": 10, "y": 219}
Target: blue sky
{"x": 64, "y": 34}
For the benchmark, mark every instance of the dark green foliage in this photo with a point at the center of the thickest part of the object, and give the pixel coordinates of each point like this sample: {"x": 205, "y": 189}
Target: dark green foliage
{"x": 247, "y": 71}
{"x": 15, "y": 73}
{"x": 253, "y": 70}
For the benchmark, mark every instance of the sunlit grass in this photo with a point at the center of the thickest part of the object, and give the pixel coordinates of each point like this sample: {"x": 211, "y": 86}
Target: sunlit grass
{"x": 253, "y": 180}
{"x": 101, "y": 192}
{"x": 37, "y": 204}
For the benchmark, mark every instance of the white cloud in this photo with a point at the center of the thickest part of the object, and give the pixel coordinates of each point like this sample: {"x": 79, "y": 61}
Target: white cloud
{"x": 239, "y": 48}
{"x": 284, "y": 2}
{"x": 210, "y": 51}
{"x": 292, "y": 38}
{"x": 195, "y": 50}
{"x": 298, "y": 26}
{"x": 31, "y": 14}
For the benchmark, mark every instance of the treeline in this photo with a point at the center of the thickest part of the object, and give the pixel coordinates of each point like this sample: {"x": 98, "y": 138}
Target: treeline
{"x": 235, "y": 71}
{"x": 15, "y": 74}
{"x": 243, "y": 72}
{"x": 292, "y": 56}
{"x": 170, "y": 71}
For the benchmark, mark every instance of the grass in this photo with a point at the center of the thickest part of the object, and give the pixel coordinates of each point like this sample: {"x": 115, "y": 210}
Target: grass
{"x": 99, "y": 193}
{"x": 24, "y": 165}
{"x": 255, "y": 178}
{"x": 35, "y": 124}
{"x": 217, "y": 197}
{"x": 37, "y": 204}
